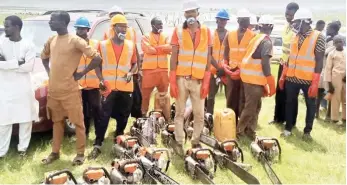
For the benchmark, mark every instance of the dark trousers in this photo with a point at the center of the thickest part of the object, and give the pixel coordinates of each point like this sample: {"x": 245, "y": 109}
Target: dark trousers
{"x": 292, "y": 90}
{"x": 118, "y": 104}
{"x": 212, "y": 95}
{"x": 91, "y": 108}
{"x": 320, "y": 97}
{"x": 280, "y": 100}
{"x": 136, "y": 111}
{"x": 234, "y": 96}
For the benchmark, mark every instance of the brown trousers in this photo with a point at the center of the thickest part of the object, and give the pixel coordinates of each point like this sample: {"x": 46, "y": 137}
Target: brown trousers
{"x": 234, "y": 96}
{"x": 159, "y": 80}
{"x": 338, "y": 98}
{"x": 249, "y": 116}
{"x": 71, "y": 107}
{"x": 191, "y": 88}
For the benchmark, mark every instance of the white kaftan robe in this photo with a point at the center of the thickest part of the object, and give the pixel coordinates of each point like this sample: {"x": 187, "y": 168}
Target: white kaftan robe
{"x": 17, "y": 99}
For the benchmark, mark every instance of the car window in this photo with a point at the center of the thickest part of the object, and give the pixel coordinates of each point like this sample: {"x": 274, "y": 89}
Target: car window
{"x": 103, "y": 26}
{"x": 146, "y": 25}
{"x": 277, "y": 41}
{"x": 39, "y": 32}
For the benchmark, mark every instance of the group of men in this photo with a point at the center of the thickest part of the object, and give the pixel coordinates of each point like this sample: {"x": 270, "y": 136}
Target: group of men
{"x": 200, "y": 60}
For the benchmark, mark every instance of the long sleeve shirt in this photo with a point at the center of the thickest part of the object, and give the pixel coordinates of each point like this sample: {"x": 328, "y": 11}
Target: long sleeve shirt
{"x": 336, "y": 64}
{"x": 17, "y": 102}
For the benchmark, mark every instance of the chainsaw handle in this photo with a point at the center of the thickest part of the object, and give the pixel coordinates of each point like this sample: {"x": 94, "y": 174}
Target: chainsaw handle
{"x": 236, "y": 145}
{"x": 104, "y": 170}
{"x": 59, "y": 173}
{"x": 153, "y": 111}
{"x": 211, "y": 153}
{"x": 279, "y": 148}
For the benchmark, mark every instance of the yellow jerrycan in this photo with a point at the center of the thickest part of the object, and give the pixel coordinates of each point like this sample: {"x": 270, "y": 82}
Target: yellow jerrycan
{"x": 224, "y": 126}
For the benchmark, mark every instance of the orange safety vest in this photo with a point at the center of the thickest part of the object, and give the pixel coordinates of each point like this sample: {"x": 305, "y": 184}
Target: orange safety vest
{"x": 90, "y": 80}
{"x": 155, "y": 61}
{"x": 191, "y": 61}
{"x": 237, "y": 51}
{"x": 302, "y": 62}
{"x": 115, "y": 71}
{"x": 251, "y": 69}
{"x": 218, "y": 50}
{"x": 130, "y": 34}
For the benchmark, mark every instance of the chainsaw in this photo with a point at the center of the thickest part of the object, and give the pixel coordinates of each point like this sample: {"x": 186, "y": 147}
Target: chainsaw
{"x": 229, "y": 155}
{"x": 60, "y": 177}
{"x": 168, "y": 137}
{"x": 154, "y": 161}
{"x": 126, "y": 146}
{"x": 208, "y": 125}
{"x": 200, "y": 164}
{"x": 96, "y": 175}
{"x": 127, "y": 171}
{"x": 267, "y": 150}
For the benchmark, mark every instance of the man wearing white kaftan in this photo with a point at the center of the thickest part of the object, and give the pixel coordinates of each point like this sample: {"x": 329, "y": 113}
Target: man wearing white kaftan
{"x": 17, "y": 102}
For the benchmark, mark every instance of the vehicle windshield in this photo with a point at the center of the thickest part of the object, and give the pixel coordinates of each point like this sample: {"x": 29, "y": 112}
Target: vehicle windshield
{"x": 39, "y": 32}
{"x": 276, "y": 41}
{"x": 231, "y": 25}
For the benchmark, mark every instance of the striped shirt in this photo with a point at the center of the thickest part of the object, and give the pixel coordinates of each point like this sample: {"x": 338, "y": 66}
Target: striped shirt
{"x": 320, "y": 47}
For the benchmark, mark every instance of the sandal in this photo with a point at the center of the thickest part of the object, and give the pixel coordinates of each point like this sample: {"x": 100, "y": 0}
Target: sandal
{"x": 49, "y": 159}
{"x": 78, "y": 160}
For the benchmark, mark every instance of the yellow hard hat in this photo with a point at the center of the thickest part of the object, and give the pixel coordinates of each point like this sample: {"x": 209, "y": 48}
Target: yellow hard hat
{"x": 118, "y": 19}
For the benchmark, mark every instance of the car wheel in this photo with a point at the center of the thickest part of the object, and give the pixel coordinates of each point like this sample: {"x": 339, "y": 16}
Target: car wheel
{"x": 70, "y": 128}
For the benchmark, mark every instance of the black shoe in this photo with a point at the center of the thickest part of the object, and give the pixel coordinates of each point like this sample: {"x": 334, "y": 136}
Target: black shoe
{"x": 95, "y": 153}
{"x": 307, "y": 137}
{"x": 196, "y": 146}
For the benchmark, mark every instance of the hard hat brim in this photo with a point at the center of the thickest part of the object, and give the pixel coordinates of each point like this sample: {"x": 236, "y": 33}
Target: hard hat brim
{"x": 81, "y": 26}
{"x": 223, "y": 18}
{"x": 187, "y": 9}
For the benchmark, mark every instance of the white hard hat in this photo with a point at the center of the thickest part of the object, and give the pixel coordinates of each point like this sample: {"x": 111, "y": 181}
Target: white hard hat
{"x": 243, "y": 13}
{"x": 266, "y": 19}
{"x": 115, "y": 9}
{"x": 303, "y": 13}
{"x": 190, "y": 5}
{"x": 253, "y": 19}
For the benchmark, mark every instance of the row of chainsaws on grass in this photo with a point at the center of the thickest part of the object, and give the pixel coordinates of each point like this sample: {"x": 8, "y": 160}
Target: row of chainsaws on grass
{"x": 138, "y": 160}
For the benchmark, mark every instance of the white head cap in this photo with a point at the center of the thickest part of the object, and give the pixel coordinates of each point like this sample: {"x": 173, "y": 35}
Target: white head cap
{"x": 243, "y": 13}
{"x": 190, "y": 5}
{"x": 115, "y": 9}
{"x": 253, "y": 19}
{"x": 302, "y": 14}
{"x": 266, "y": 19}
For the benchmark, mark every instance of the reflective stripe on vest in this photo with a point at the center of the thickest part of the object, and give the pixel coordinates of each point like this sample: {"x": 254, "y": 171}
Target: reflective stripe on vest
{"x": 129, "y": 34}
{"x": 218, "y": 50}
{"x": 155, "y": 61}
{"x": 191, "y": 61}
{"x": 251, "y": 69}
{"x": 287, "y": 38}
{"x": 237, "y": 51}
{"x": 302, "y": 62}
{"x": 89, "y": 80}
{"x": 113, "y": 71}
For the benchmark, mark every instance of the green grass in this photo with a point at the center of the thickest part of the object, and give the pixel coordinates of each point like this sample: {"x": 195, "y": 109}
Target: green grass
{"x": 322, "y": 161}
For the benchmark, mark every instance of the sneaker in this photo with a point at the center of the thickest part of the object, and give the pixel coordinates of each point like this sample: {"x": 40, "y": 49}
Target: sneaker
{"x": 286, "y": 133}
{"x": 307, "y": 137}
{"x": 95, "y": 153}
{"x": 340, "y": 123}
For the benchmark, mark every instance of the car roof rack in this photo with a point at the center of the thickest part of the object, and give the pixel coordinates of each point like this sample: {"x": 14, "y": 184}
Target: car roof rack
{"x": 76, "y": 11}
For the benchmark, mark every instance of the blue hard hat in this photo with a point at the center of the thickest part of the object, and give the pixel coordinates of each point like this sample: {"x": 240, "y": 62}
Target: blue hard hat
{"x": 223, "y": 14}
{"x": 82, "y": 22}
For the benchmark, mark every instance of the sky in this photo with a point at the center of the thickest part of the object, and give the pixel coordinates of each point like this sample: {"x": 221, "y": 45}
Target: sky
{"x": 253, "y": 5}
